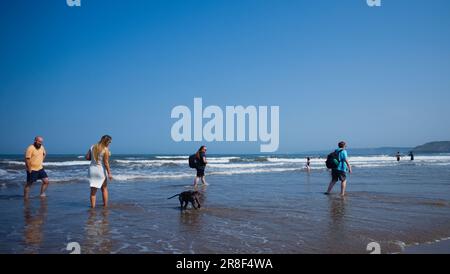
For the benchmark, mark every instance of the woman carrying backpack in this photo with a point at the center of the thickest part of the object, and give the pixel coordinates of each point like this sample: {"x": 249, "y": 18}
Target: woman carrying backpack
{"x": 201, "y": 164}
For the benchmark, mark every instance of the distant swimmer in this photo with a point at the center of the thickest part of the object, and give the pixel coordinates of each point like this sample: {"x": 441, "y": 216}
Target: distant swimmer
{"x": 411, "y": 154}
{"x": 398, "y": 156}
{"x": 308, "y": 164}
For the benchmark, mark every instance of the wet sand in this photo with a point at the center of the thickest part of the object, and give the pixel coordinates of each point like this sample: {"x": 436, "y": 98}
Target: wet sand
{"x": 440, "y": 247}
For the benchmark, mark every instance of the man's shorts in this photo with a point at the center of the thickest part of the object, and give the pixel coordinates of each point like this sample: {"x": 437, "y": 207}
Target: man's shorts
{"x": 200, "y": 171}
{"x": 33, "y": 176}
{"x": 338, "y": 175}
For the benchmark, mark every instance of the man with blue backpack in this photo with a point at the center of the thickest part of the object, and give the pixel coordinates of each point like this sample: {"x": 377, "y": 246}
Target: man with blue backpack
{"x": 337, "y": 161}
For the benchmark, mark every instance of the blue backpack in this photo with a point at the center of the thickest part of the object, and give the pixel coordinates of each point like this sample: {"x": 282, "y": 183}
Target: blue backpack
{"x": 333, "y": 159}
{"x": 193, "y": 161}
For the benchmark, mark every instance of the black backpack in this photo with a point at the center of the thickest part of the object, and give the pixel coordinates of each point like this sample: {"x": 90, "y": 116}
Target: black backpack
{"x": 193, "y": 163}
{"x": 333, "y": 159}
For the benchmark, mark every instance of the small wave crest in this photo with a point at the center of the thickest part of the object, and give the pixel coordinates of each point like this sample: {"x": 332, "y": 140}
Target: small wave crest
{"x": 130, "y": 177}
{"x": 246, "y": 160}
{"x": 65, "y": 163}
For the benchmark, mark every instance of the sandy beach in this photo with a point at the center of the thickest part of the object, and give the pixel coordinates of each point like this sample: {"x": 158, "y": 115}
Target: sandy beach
{"x": 440, "y": 247}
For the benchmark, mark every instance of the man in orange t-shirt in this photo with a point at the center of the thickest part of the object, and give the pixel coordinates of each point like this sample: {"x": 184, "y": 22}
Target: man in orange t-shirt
{"x": 34, "y": 158}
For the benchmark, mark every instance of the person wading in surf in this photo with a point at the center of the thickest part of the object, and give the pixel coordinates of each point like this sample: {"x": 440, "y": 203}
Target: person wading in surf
{"x": 201, "y": 164}
{"x": 339, "y": 172}
{"x": 34, "y": 158}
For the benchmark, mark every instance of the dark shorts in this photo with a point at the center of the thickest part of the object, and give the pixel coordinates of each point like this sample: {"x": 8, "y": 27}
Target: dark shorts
{"x": 33, "y": 176}
{"x": 200, "y": 172}
{"x": 338, "y": 175}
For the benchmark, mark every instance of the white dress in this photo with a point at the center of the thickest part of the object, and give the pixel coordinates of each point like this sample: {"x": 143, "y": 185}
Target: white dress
{"x": 97, "y": 171}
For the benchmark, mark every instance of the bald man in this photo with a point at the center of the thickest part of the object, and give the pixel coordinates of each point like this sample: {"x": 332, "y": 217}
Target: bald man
{"x": 34, "y": 158}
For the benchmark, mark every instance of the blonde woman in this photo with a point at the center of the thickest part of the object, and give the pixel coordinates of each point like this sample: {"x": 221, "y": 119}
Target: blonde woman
{"x": 99, "y": 169}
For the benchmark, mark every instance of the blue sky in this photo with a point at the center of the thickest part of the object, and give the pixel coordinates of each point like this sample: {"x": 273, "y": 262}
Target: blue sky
{"x": 337, "y": 69}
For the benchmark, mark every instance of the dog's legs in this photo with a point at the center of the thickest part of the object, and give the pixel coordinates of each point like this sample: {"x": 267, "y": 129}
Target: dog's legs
{"x": 185, "y": 204}
{"x": 193, "y": 204}
{"x": 181, "y": 202}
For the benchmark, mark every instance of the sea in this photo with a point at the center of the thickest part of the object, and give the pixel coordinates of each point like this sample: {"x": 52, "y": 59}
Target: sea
{"x": 269, "y": 204}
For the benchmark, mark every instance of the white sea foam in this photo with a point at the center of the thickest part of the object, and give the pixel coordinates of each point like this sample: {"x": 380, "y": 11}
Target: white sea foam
{"x": 187, "y": 156}
{"x": 368, "y": 161}
{"x": 12, "y": 162}
{"x": 172, "y": 157}
{"x": 287, "y": 160}
{"x": 150, "y": 162}
{"x": 136, "y": 176}
{"x": 255, "y": 170}
{"x": 3, "y": 172}
{"x": 159, "y": 162}
{"x": 128, "y": 177}
{"x": 244, "y": 165}
{"x": 173, "y": 167}
{"x": 11, "y": 174}
{"x": 65, "y": 163}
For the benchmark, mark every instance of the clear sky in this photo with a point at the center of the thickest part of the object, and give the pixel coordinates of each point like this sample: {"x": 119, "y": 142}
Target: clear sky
{"x": 337, "y": 69}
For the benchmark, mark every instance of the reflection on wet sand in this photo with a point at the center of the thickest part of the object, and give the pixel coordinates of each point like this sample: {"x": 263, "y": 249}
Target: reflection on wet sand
{"x": 202, "y": 197}
{"x": 190, "y": 220}
{"x": 97, "y": 230}
{"x": 308, "y": 182}
{"x": 337, "y": 229}
{"x": 337, "y": 210}
{"x": 33, "y": 230}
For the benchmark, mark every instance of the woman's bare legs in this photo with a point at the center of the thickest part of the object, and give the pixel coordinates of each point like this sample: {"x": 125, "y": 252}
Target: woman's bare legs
{"x": 204, "y": 181}
{"x": 105, "y": 194}
{"x": 93, "y": 193}
{"x": 195, "y": 181}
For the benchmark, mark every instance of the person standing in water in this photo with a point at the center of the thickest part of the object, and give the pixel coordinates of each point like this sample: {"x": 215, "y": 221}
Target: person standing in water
{"x": 34, "y": 158}
{"x": 308, "y": 164}
{"x": 398, "y": 156}
{"x": 411, "y": 155}
{"x": 201, "y": 165}
{"x": 99, "y": 169}
{"x": 339, "y": 173}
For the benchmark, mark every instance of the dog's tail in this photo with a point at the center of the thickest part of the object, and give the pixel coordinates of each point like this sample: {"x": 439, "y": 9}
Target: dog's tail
{"x": 173, "y": 196}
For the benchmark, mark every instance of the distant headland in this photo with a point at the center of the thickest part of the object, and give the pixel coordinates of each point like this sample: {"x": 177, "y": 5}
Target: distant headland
{"x": 434, "y": 147}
